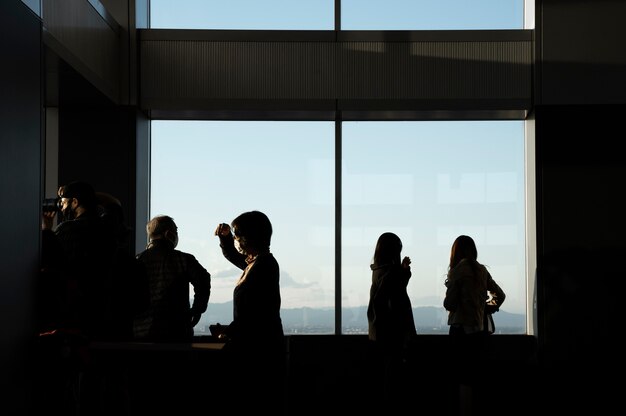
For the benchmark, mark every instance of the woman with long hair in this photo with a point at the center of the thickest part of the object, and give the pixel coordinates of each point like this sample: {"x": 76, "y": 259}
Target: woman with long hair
{"x": 391, "y": 326}
{"x": 469, "y": 286}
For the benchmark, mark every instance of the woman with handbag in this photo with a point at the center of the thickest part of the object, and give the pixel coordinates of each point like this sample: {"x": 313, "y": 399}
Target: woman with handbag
{"x": 471, "y": 292}
{"x": 471, "y": 296}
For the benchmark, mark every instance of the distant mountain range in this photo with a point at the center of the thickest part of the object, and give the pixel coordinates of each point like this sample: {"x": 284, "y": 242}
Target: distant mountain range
{"x": 428, "y": 320}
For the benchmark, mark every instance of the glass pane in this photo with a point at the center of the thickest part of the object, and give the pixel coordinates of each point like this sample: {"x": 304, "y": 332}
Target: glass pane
{"x": 429, "y": 182}
{"x": 207, "y": 172}
{"x": 431, "y": 14}
{"x": 242, "y": 14}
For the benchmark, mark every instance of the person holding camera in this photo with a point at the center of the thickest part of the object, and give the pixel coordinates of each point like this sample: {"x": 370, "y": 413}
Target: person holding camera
{"x": 77, "y": 289}
{"x": 79, "y": 253}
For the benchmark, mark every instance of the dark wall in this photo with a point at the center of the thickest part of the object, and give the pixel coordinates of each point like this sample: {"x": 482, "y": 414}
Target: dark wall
{"x": 97, "y": 145}
{"x": 582, "y": 57}
{"x": 20, "y": 190}
{"x": 580, "y": 215}
{"x": 579, "y": 111}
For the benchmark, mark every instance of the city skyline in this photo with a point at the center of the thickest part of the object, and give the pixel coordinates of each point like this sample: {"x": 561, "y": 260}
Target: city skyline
{"x": 428, "y": 320}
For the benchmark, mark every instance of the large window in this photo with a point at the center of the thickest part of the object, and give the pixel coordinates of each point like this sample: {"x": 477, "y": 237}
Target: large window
{"x": 426, "y": 181}
{"x": 355, "y": 14}
{"x": 243, "y": 14}
{"x": 429, "y": 182}
{"x": 432, "y": 14}
{"x": 205, "y": 173}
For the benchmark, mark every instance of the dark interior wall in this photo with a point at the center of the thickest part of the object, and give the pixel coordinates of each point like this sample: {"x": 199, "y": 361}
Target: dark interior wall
{"x": 20, "y": 190}
{"x": 581, "y": 162}
{"x": 582, "y": 53}
{"x": 581, "y": 224}
{"x": 98, "y": 145}
{"x": 579, "y": 107}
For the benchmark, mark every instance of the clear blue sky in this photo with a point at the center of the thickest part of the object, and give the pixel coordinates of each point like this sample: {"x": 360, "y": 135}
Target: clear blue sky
{"x": 356, "y": 14}
{"x": 426, "y": 181}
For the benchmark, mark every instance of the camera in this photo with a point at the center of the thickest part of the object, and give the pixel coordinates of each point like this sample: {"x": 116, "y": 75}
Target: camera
{"x": 51, "y": 204}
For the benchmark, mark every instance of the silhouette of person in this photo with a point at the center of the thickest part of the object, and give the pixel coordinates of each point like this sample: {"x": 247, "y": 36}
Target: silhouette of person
{"x": 469, "y": 287}
{"x": 391, "y": 328}
{"x": 254, "y": 340}
{"x": 78, "y": 256}
{"x": 84, "y": 247}
{"x": 128, "y": 292}
{"x": 125, "y": 295}
{"x": 170, "y": 317}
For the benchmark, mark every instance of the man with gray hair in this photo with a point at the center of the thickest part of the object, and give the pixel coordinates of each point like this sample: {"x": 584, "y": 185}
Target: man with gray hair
{"x": 170, "y": 317}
